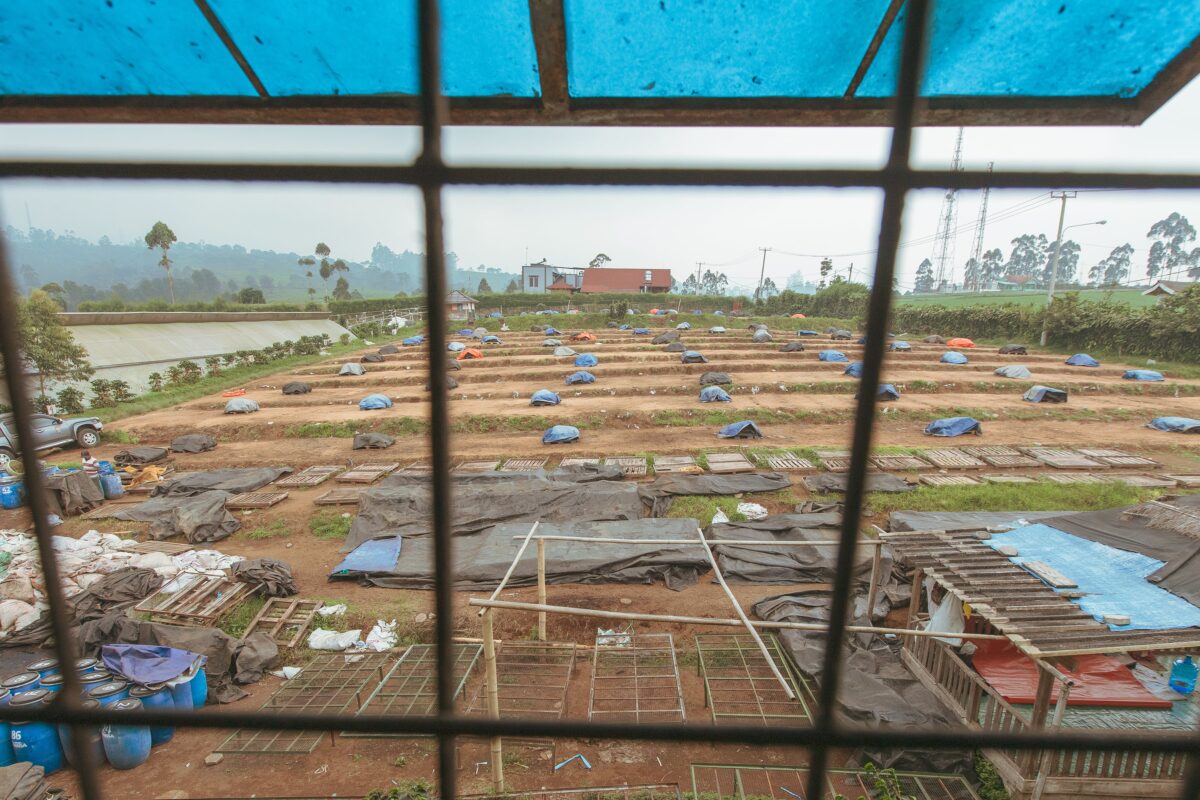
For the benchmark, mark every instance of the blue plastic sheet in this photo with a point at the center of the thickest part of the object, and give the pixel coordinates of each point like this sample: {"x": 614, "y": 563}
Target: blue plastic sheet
{"x": 692, "y": 357}
{"x": 745, "y": 429}
{"x": 641, "y": 331}
{"x": 1082, "y": 360}
{"x": 544, "y": 397}
{"x": 953, "y": 358}
{"x": 1013, "y": 371}
{"x": 953, "y": 426}
{"x": 806, "y": 332}
{"x": 888, "y": 392}
{"x": 582, "y": 376}
{"x": 900, "y": 344}
{"x": 551, "y": 331}
{"x": 1142, "y": 375}
{"x": 492, "y": 339}
{"x": 456, "y": 347}
{"x": 145, "y": 663}
{"x": 376, "y": 555}
{"x": 586, "y": 360}
{"x": 412, "y": 341}
{"x": 832, "y": 355}
{"x": 624, "y": 326}
{"x": 1114, "y": 580}
{"x": 853, "y": 369}
{"x": 683, "y": 326}
{"x": 717, "y": 329}
{"x": 1044, "y": 394}
{"x": 1175, "y": 424}
{"x": 714, "y": 394}
{"x": 374, "y": 402}
{"x": 560, "y": 434}
{"x": 241, "y": 405}
{"x": 465, "y": 331}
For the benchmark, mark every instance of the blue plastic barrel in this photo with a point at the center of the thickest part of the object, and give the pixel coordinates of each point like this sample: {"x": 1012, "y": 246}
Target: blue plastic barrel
{"x": 181, "y": 694}
{"x": 109, "y": 693}
{"x": 6, "y": 751}
{"x": 199, "y": 684}
{"x": 156, "y": 696}
{"x": 126, "y": 746}
{"x": 21, "y": 682}
{"x": 52, "y": 683}
{"x": 47, "y": 666}
{"x": 12, "y": 491}
{"x": 85, "y": 666}
{"x": 90, "y": 680}
{"x": 91, "y": 739}
{"x": 111, "y": 486}
{"x": 35, "y": 742}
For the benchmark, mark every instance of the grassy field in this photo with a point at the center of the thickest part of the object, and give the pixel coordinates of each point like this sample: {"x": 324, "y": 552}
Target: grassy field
{"x": 1133, "y": 297}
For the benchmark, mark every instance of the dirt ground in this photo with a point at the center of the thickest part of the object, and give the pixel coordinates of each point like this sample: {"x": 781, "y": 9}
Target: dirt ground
{"x": 634, "y": 381}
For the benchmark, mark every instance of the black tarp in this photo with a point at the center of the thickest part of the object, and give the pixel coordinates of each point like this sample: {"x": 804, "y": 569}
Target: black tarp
{"x": 675, "y": 347}
{"x": 586, "y": 473}
{"x": 139, "y": 456}
{"x": 23, "y": 780}
{"x": 1179, "y": 575}
{"x": 401, "y": 504}
{"x": 788, "y": 564}
{"x": 372, "y": 441}
{"x": 193, "y": 443}
{"x": 451, "y": 382}
{"x": 453, "y": 365}
{"x": 876, "y": 482}
{"x": 792, "y": 347}
{"x": 876, "y": 690}
{"x": 664, "y": 338}
{"x": 372, "y": 358}
{"x": 269, "y": 577}
{"x": 481, "y": 558}
{"x": 715, "y": 378}
{"x": 234, "y": 480}
{"x": 388, "y": 350}
{"x": 296, "y": 387}
{"x": 71, "y": 493}
{"x": 1013, "y": 350}
{"x": 201, "y": 518}
{"x": 660, "y": 493}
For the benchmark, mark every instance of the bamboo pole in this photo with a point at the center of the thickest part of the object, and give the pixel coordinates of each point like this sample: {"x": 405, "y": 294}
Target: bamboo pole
{"x": 513, "y": 565}
{"x": 914, "y": 596}
{"x": 541, "y": 585}
{"x": 493, "y": 699}
{"x": 730, "y": 622}
{"x": 873, "y": 588}
{"x": 737, "y": 607}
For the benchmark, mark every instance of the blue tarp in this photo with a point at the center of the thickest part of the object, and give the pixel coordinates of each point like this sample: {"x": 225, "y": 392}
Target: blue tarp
{"x": 900, "y": 344}
{"x": 492, "y": 339}
{"x": 1082, "y": 360}
{"x": 953, "y": 358}
{"x": 1175, "y": 424}
{"x": 551, "y": 330}
{"x": 241, "y": 405}
{"x": 624, "y": 326}
{"x": 853, "y": 369}
{"x": 832, "y": 355}
{"x": 146, "y": 663}
{"x": 683, "y": 326}
{"x": 1142, "y": 375}
{"x": 1044, "y": 394}
{"x": 544, "y": 397}
{"x": 495, "y": 315}
{"x": 374, "y": 401}
{"x": 745, "y": 429}
{"x": 692, "y": 357}
{"x": 714, "y": 394}
{"x": 586, "y": 360}
{"x": 560, "y": 434}
{"x": 888, "y": 392}
{"x": 1013, "y": 371}
{"x": 718, "y": 313}
{"x": 580, "y": 377}
{"x": 551, "y": 342}
{"x": 641, "y": 331}
{"x": 717, "y": 329}
{"x": 563, "y": 351}
{"x": 806, "y": 332}
{"x": 465, "y": 331}
{"x": 413, "y": 341}
{"x": 953, "y": 426}
{"x": 370, "y": 557}
{"x": 1114, "y": 581}
{"x": 760, "y": 336}
{"x": 456, "y": 347}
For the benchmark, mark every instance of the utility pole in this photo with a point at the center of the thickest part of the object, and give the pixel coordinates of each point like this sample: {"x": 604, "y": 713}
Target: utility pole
{"x": 1062, "y": 214}
{"x": 850, "y": 277}
{"x": 761, "y": 273}
{"x": 699, "y": 264}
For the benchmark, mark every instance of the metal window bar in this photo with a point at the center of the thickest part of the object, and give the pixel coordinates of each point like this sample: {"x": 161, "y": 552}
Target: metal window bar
{"x": 739, "y": 685}
{"x": 430, "y": 174}
{"x": 635, "y": 677}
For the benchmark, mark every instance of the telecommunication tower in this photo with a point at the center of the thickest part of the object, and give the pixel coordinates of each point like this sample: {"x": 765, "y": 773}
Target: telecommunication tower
{"x": 943, "y": 243}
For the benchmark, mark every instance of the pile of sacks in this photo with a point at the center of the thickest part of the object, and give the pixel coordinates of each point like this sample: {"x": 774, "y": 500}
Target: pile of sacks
{"x": 81, "y": 563}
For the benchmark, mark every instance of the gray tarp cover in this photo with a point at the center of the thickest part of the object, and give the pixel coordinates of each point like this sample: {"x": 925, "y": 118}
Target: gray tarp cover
{"x": 401, "y": 504}
{"x": 372, "y": 441}
{"x": 71, "y": 493}
{"x": 296, "y": 387}
{"x": 372, "y": 358}
{"x": 1181, "y": 572}
{"x": 659, "y": 493}
{"x": 482, "y": 558}
{"x": 663, "y": 338}
{"x": 270, "y": 577}
{"x": 876, "y": 689}
{"x": 964, "y": 520}
{"x": 241, "y": 405}
{"x": 193, "y": 443}
{"x": 715, "y": 378}
{"x": 787, "y": 564}
{"x": 137, "y": 456}
{"x": 22, "y": 781}
{"x": 675, "y": 347}
{"x": 235, "y": 480}
{"x": 586, "y": 473}
{"x": 836, "y": 482}
{"x": 201, "y": 518}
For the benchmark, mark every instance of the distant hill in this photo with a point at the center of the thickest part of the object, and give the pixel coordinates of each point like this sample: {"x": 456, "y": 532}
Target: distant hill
{"x": 201, "y": 271}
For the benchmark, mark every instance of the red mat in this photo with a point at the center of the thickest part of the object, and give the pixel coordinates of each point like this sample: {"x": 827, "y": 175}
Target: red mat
{"x": 1099, "y": 680}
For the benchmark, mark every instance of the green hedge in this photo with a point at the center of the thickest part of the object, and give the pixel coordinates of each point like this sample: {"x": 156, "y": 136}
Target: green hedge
{"x": 114, "y": 304}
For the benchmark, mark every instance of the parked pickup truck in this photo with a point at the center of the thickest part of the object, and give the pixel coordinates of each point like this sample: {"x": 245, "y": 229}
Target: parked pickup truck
{"x": 49, "y": 432}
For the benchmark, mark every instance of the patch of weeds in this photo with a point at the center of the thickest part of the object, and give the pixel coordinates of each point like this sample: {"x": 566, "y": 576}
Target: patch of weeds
{"x": 235, "y": 622}
{"x": 114, "y": 436}
{"x": 321, "y": 430}
{"x": 275, "y": 528}
{"x": 920, "y": 385}
{"x": 400, "y": 760}
{"x": 329, "y": 525}
{"x": 403, "y": 790}
{"x": 990, "y": 785}
{"x": 1040, "y": 496}
{"x": 702, "y": 509}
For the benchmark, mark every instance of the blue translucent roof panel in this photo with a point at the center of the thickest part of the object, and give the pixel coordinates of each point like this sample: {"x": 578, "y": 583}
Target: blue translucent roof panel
{"x": 716, "y": 48}
{"x": 328, "y": 47}
{"x": 1020, "y": 48}
{"x": 122, "y": 47}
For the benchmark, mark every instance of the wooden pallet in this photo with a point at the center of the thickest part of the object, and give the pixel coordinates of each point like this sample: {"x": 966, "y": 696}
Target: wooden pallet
{"x": 1146, "y": 481}
{"x": 1075, "y": 478}
{"x": 255, "y": 500}
{"x": 630, "y": 465}
{"x": 418, "y": 468}
{"x": 952, "y": 458}
{"x": 477, "y": 466}
{"x": 1007, "y": 479}
{"x": 284, "y": 619}
{"x": 676, "y": 464}
{"x": 1127, "y": 461}
{"x": 824, "y": 453}
{"x": 1062, "y": 459}
{"x": 204, "y": 601}
{"x": 1188, "y": 481}
{"x": 1101, "y": 452}
{"x": 949, "y": 480}
{"x": 524, "y": 464}
{"x": 788, "y": 462}
{"x": 982, "y": 450}
{"x": 101, "y": 512}
{"x": 577, "y": 461}
{"x": 900, "y": 463}
{"x": 151, "y": 546}
{"x": 728, "y": 463}
{"x": 1013, "y": 462}
{"x": 842, "y": 464}
{"x": 311, "y": 476}
{"x": 366, "y": 473}
{"x": 340, "y": 497}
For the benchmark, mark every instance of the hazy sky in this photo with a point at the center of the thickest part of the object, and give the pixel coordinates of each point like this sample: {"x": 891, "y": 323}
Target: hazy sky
{"x": 638, "y": 228}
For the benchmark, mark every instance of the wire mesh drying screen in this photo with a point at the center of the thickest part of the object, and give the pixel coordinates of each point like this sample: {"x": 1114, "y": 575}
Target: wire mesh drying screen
{"x": 430, "y": 174}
